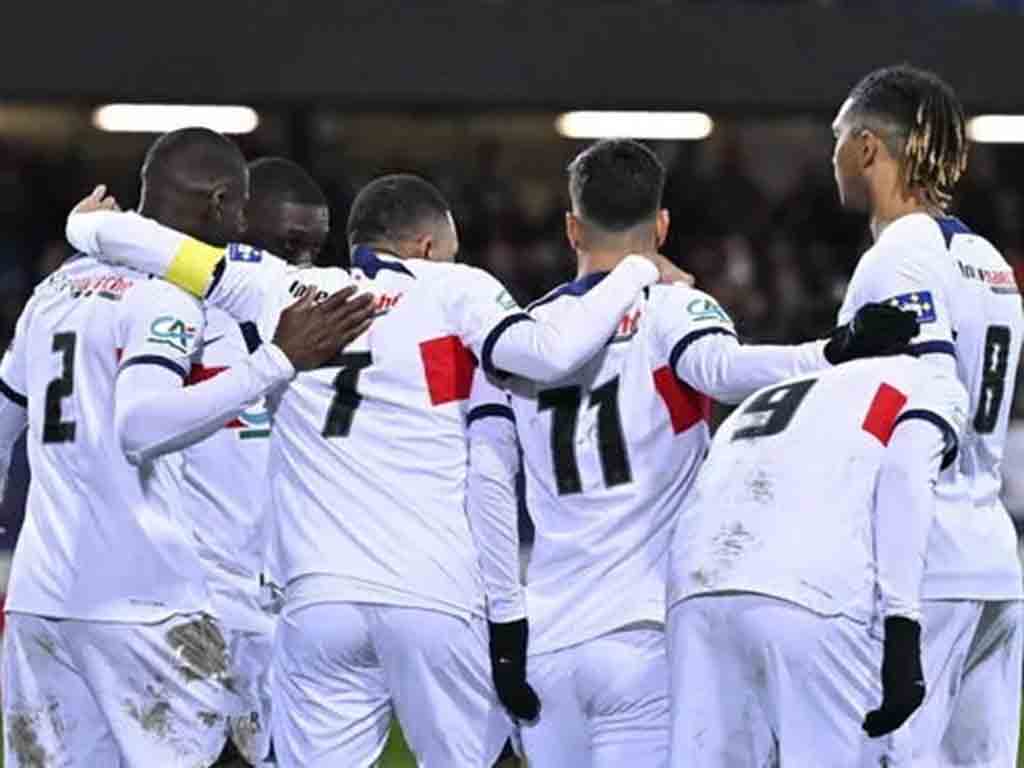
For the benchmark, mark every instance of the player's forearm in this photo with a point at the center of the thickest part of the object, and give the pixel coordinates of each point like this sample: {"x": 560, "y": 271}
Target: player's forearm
{"x": 552, "y": 345}
{"x": 721, "y": 368}
{"x": 13, "y": 420}
{"x": 134, "y": 241}
{"x": 904, "y": 509}
{"x": 155, "y": 415}
{"x": 493, "y": 518}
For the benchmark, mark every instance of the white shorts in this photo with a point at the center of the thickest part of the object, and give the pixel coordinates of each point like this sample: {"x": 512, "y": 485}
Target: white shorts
{"x": 604, "y": 703}
{"x": 759, "y": 681}
{"x": 83, "y": 693}
{"x": 249, "y": 720}
{"x": 973, "y": 667}
{"x": 341, "y": 669}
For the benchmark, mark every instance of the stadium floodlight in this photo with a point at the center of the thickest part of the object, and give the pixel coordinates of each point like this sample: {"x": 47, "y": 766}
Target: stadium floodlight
{"x": 160, "y": 118}
{"x": 996, "y": 129}
{"x": 679, "y": 126}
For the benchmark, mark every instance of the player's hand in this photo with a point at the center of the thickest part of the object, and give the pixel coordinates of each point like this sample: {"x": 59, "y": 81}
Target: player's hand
{"x": 98, "y": 200}
{"x": 310, "y": 334}
{"x": 902, "y": 679}
{"x": 668, "y": 272}
{"x": 508, "y": 669}
{"x": 876, "y": 330}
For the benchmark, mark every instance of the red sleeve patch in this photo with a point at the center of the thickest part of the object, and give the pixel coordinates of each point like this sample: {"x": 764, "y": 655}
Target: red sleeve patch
{"x": 448, "y": 365}
{"x": 686, "y": 406}
{"x": 882, "y": 414}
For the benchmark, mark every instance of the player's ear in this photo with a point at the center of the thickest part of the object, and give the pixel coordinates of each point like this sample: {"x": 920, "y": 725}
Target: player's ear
{"x": 218, "y": 195}
{"x": 661, "y": 226}
{"x": 424, "y": 247}
{"x": 573, "y": 230}
{"x": 869, "y": 149}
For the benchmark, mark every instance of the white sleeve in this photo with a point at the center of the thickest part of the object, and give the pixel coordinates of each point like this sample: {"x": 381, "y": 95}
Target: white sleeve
{"x": 718, "y": 366}
{"x": 904, "y": 509}
{"x": 905, "y": 275}
{"x": 235, "y": 279}
{"x": 698, "y": 338}
{"x": 491, "y": 499}
{"x": 155, "y": 414}
{"x": 548, "y": 345}
{"x": 924, "y": 442}
{"x": 161, "y": 332}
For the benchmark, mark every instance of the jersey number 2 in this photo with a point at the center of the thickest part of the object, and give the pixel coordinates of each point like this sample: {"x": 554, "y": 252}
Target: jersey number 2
{"x": 565, "y": 402}
{"x": 54, "y": 429}
{"x": 993, "y": 379}
{"x": 346, "y": 397}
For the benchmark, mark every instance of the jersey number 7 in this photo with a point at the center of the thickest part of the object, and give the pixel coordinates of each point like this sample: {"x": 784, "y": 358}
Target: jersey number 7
{"x": 346, "y": 396}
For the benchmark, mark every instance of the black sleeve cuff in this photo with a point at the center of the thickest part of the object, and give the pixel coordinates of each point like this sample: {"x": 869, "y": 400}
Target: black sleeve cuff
{"x": 488, "y": 410}
{"x": 163, "y": 362}
{"x": 15, "y": 397}
{"x": 492, "y": 339}
{"x": 681, "y": 345}
{"x": 952, "y": 445}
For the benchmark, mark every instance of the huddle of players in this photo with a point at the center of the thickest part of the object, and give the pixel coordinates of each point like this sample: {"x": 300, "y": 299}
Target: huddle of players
{"x": 390, "y": 502}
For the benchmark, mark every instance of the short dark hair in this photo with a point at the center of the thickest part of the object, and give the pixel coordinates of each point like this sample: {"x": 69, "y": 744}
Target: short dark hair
{"x": 190, "y": 153}
{"x": 616, "y": 184}
{"x": 279, "y": 180}
{"x": 921, "y": 121}
{"x": 393, "y": 207}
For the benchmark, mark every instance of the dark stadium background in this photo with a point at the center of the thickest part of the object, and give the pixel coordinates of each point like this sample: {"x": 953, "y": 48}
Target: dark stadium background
{"x": 467, "y": 93}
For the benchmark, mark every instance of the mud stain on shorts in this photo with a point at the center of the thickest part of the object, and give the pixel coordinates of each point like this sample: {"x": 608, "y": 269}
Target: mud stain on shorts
{"x": 201, "y": 651}
{"x": 153, "y": 714}
{"x": 23, "y": 736}
{"x": 46, "y": 644}
{"x": 209, "y": 719}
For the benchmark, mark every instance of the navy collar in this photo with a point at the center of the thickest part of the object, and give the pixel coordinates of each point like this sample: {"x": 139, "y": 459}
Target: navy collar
{"x": 577, "y": 287}
{"x": 951, "y": 225}
{"x": 370, "y": 262}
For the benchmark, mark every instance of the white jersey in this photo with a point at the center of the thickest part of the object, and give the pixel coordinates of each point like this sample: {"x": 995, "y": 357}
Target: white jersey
{"x": 609, "y": 454}
{"x": 785, "y": 503}
{"x": 969, "y": 307}
{"x": 369, "y": 452}
{"x": 226, "y": 485}
{"x": 102, "y": 540}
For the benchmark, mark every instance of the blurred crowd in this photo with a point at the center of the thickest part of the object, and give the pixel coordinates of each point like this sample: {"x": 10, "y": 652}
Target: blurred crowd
{"x": 777, "y": 260}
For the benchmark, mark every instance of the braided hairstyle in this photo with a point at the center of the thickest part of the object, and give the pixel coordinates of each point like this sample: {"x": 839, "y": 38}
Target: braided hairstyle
{"x": 919, "y": 118}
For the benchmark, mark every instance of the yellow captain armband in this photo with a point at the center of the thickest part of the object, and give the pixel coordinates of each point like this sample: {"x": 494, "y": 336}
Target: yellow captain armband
{"x": 193, "y": 265}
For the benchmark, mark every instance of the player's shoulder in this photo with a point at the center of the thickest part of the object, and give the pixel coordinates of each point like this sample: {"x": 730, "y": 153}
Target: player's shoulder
{"x": 680, "y": 302}
{"x": 920, "y": 240}
{"x": 145, "y": 295}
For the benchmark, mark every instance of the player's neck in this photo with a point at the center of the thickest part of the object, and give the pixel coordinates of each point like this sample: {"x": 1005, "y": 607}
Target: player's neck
{"x": 170, "y": 215}
{"x": 888, "y": 209}
{"x": 589, "y": 262}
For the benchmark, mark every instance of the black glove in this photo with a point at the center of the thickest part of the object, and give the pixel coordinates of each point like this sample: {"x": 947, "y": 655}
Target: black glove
{"x": 508, "y": 668}
{"x": 876, "y": 330}
{"x": 902, "y": 678}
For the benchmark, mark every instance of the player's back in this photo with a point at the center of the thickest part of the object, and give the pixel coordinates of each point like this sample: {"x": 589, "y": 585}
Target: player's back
{"x": 969, "y": 308}
{"x": 100, "y": 540}
{"x": 784, "y": 503}
{"x": 369, "y": 452}
{"x": 608, "y": 454}
{"x": 989, "y": 326}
